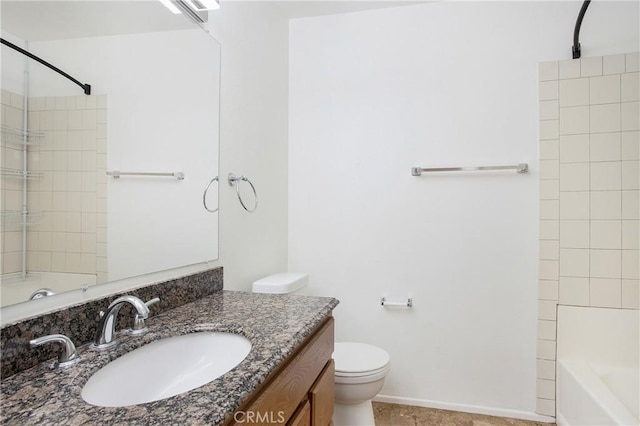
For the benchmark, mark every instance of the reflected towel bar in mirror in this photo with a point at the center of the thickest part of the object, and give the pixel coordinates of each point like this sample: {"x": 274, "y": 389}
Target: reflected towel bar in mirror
{"x": 117, "y": 173}
{"x": 520, "y": 168}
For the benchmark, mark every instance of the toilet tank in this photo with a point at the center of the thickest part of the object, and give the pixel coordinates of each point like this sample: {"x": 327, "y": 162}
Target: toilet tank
{"x": 282, "y": 283}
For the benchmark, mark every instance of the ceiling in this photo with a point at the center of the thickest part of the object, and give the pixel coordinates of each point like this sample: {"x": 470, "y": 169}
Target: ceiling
{"x": 58, "y": 20}
{"x": 302, "y": 9}
{"x": 41, "y": 20}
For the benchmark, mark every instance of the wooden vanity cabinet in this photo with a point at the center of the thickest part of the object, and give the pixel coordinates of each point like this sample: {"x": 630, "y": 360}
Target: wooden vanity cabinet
{"x": 300, "y": 392}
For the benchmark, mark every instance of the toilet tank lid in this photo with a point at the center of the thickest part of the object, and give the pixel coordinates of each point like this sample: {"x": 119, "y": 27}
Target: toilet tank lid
{"x": 285, "y": 282}
{"x": 352, "y": 357}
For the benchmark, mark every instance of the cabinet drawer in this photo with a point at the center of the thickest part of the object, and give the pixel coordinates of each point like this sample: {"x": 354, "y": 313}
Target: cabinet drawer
{"x": 290, "y": 385}
{"x": 321, "y": 396}
{"x": 302, "y": 417}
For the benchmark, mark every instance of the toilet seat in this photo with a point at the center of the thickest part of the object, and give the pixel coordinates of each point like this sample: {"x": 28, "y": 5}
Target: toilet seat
{"x": 359, "y": 362}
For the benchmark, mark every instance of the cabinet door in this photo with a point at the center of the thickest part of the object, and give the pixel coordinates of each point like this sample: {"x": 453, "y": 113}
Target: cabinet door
{"x": 321, "y": 396}
{"x": 302, "y": 416}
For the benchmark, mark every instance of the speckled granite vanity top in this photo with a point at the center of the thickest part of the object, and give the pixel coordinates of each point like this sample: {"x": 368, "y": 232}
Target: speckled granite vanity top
{"x": 275, "y": 324}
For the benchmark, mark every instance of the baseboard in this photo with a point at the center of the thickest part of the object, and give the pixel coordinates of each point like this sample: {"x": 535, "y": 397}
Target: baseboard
{"x": 475, "y": 409}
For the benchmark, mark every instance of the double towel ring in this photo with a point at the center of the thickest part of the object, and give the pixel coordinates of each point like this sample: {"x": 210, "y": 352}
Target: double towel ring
{"x": 233, "y": 180}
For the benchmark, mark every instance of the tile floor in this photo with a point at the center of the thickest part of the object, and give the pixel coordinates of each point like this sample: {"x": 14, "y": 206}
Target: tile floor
{"x": 405, "y": 415}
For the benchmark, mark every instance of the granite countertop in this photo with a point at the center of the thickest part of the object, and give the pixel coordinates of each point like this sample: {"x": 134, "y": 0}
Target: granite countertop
{"x": 275, "y": 325}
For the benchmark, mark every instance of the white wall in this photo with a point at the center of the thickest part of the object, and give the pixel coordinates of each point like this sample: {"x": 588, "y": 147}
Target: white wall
{"x": 444, "y": 84}
{"x": 253, "y": 138}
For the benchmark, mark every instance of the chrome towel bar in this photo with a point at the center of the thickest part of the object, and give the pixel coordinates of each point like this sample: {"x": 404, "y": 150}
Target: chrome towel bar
{"x": 520, "y": 168}
{"x": 407, "y": 304}
{"x": 117, "y": 173}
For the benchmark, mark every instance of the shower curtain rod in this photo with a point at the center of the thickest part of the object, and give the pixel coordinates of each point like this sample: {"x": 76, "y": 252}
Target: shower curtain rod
{"x": 85, "y": 87}
{"x": 575, "y": 49}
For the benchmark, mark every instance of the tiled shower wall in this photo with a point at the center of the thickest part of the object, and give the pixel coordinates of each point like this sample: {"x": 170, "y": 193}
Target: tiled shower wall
{"x": 11, "y": 186}
{"x": 589, "y": 195}
{"x": 71, "y": 236}
{"x": 67, "y": 233}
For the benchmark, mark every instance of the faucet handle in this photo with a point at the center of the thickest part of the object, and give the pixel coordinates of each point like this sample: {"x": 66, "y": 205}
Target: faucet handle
{"x": 138, "y": 321}
{"x": 68, "y": 356}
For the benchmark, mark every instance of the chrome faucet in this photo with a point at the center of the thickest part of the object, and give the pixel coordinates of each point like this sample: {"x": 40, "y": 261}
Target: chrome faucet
{"x": 68, "y": 356}
{"x": 106, "y": 329}
{"x": 138, "y": 321}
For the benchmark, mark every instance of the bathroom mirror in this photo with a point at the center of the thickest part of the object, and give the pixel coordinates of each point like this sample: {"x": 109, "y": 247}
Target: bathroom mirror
{"x": 67, "y": 222}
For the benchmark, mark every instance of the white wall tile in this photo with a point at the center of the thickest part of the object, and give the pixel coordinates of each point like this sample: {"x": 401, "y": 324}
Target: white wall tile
{"x": 546, "y": 349}
{"x": 549, "y": 250}
{"x": 632, "y": 62}
{"x": 569, "y": 69}
{"x": 605, "y": 146}
{"x": 606, "y": 234}
{"x": 549, "y": 209}
{"x": 548, "y": 290}
{"x": 630, "y": 87}
{"x": 550, "y": 229}
{"x": 630, "y": 296}
{"x": 549, "y": 169}
{"x": 604, "y": 90}
{"x": 548, "y": 90}
{"x": 575, "y": 120}
{"x": 574, "y": 148}
{"x": 546, "y": 407}
{"x": 574, "y": 205}
{"x": 574, "y": 177}
{"x": 549, "y": 150}
{"x": 605, "y": 292}
{"x": 74, "y": 242}
{"x": 574, "y": 263}
{"x": 548, "y": 269}
{"x": 546, "y": 330}
{"x": 549, "y": 129}
{"x": 631, "y": 234}
{"x": 631, "y": 145}
{"x": 547, "y": 310}
{"x": 574, "y": 291}
{"x": 604, "y": 118}
{"x": 574, "y": 92}
{"x": 606, "y": 204}
{"x": 630, "y": 204}
{"x": 631, "y": 264}
{"x": 630, "y": 116}
{"x": 549, "y": 189}
{"x": 574, "y": 234}
{"x": 605, "y": 263}
{"x": 549, "y": 110}
{"x": 546, "y": 369}
{"x": 613, "y": 64}
{"x": 630, "y": 175}
{"x": 548, "y": 71}
{"x": 591, "y": 66}
{"x": 606, "y": 176}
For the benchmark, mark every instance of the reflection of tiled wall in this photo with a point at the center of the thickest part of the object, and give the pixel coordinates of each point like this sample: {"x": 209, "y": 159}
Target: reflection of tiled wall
{"x": 589, "y": 195}
{"x": 71, "y": 194}
{"x": 11, "y": 157}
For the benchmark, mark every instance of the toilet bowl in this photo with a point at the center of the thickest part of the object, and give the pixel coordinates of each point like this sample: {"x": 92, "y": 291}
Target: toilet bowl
{"x": 360, "y": 368}
{"x": 360, "y": 373}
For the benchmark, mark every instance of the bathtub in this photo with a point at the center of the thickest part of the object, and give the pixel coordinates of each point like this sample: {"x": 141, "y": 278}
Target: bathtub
{"x": 592, "y": 394}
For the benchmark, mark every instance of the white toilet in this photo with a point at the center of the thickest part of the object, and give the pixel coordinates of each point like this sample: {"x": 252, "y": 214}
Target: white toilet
{"x": 360, "y": 368}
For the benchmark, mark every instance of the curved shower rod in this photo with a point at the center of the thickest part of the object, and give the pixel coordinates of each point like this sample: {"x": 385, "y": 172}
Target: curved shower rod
{"x": 575, "y": 49}
{"x": 85, "y": 87}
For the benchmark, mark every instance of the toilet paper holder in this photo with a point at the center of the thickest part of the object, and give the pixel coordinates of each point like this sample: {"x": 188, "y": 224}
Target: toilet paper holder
{"x": 407, "y": 304}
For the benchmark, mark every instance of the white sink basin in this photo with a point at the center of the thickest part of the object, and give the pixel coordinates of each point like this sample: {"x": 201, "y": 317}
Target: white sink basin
{"x": 165, "y": 368}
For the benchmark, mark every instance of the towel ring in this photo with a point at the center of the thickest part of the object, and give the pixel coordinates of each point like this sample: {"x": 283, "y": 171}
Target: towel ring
{"x": 204, "y": 196}
{"x": 233, "y": 180}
